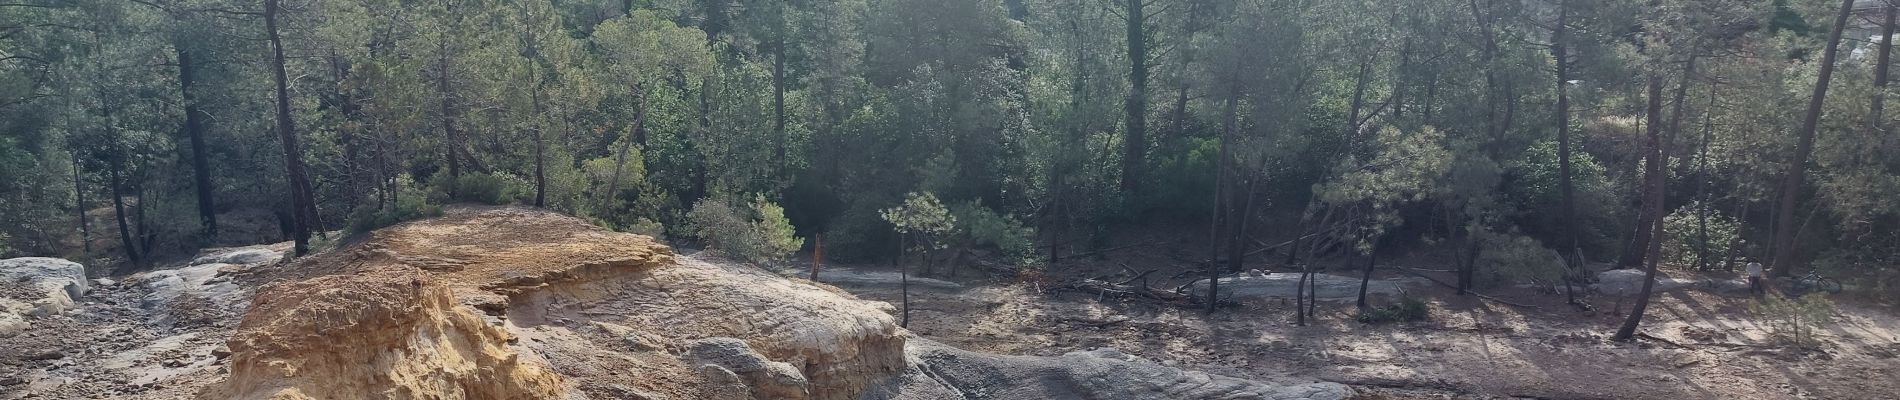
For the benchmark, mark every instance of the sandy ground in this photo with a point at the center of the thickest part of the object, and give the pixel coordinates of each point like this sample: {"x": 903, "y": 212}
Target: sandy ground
{"x": 1470, "y": 348}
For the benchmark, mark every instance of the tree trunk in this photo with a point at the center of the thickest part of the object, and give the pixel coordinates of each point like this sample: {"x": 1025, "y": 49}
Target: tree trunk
{"x": 1702, "y": 183}
{"x": 1566, "y": 189}
{"x": 1229, "y": 116}
{"x": 302, "y": 203}
{"x": 1784, "y": 241}
{"x": 1358, "y": 104}
{"x": 131, "y": 247}
{"x": 903, "y": 276}
{"x": 451, "y": 139}
{"x": 1135, "y": 144}
{"x": 200, "y": 157}
{"x": 778, "y": 99}
{"x": 620, "y": 159}
{"x": 1372, "y": 260}
{"x": 1875, "y": 119}
{"x": 79, "y": 206}
{"x": 540, "y": 158}
{"x": 817, "y": 254}
{"x": 1653, "y": 205}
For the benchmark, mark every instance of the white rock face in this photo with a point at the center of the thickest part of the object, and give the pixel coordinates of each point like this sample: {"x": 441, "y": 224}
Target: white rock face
{"x": 51, "y": 287}
{"x": 207, "y": 277}
{"x": 942, "y": 372}
{"x": 252, "y": 255}
{"x": 1629, "y": 282}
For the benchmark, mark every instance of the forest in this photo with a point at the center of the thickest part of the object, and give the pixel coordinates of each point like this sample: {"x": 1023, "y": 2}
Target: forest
{"x": 1519, "y": 141}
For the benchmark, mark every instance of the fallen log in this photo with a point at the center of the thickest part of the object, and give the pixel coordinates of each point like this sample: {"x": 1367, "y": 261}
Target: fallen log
{"x": 1105, "y": 288}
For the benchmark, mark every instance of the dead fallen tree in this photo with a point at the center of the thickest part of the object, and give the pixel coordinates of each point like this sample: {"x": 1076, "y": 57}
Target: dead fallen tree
{"x": 1123, "y": 290}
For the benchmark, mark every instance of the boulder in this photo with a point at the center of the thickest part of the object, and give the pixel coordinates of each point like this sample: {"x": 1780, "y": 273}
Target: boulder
{"x": 247, "y": 256}
{"x": 763, "y": 378}
{"x": 37, "y": 287}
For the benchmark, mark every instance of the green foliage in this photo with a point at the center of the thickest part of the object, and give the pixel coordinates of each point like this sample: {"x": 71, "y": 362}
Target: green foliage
{"x": 484, "y": 188}
{"x": 924, "y": 219}
{"x": 1507, "y": 258}
{"x": 1407, "y": 310}
{"x": 1687, "y": 241}
{"x": 411, "y": 204}
{"x": 1534, "y": 187}
{"x": 756, "y": 231}
{"x": 981, "y": 226}
{"x": 1792, "y": 322}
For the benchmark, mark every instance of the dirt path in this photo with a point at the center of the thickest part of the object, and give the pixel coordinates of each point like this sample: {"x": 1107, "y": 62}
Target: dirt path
{"x": 1469, "y": 349}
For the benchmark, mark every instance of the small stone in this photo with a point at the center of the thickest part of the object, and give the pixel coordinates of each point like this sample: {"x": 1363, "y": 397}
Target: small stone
{"x": 12, "y": 380}
{"x": 174, "y": 363}
{"x": 221, "y": 352}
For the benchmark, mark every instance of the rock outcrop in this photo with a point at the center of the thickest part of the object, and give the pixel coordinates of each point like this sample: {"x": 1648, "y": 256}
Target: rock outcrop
{"x": 37, "y": 287}
{"x": 943, "y": 372}
{"x": 384, "y": 333}
{"x": 1629, "y": 282}
{"x": 510, "y": 303}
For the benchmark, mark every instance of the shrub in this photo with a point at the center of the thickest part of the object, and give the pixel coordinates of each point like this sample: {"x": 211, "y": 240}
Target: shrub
{"x": 755, "y": 232}
{"x": 1508, "y": 258}
{"x": 411, "y": 203}
{"x": 1407, "y": 310}
{"x": 1685, "y": 244}
{"x": 485, "y": 188}
{"x": 984, "y": 227}
{"x": 1792, "y": 322}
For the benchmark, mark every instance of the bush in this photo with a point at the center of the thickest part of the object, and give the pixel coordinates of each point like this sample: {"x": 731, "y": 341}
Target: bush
{"x": 755, "y": 232}
{"x": 1509, "y": 258}
{"x": 411, "y": 204}
{"x": 1407, "y": 310}
{"x": 1792, "y": 322}
{"x": 496, "y": 189}
{"x": 982, "y": 227}
{"x": 1685, "y": 243}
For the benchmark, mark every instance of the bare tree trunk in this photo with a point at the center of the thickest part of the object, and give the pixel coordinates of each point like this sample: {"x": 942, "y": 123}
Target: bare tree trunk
{"x": 540, "y": 156}
{"x": 1653, "y": 205}
{"x": 1229, "y": 116}
{"x": 1135, "y": 144}
{"x": 1559, "y": 48}
{"x": 903, "y": 272}
{"x": 79, "y": 206}
{"x": 451, "y": 139}
{"x": 1876, "y": 119}
{"x": 302, "y": 202}
{"x": 1702, "y": 182}
{"x": 131, "y": 247}
{"x": 1372, "y": 260}
{"x": 1784, "y": 241}
{"x": 778, "y": 98}
{"x": 200, "y": 157}
{"x": 620, "y": 159}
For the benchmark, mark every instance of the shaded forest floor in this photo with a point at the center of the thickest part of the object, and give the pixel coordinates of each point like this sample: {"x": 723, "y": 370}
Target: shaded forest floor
{"x": 1469, "y": 348}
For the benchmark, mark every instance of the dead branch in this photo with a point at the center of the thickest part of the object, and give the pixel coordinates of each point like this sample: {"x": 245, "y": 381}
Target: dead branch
{"x": 1478, "y": 295}
{"x": 1090, "y": 253}
{"x": 1664, "y": 341}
